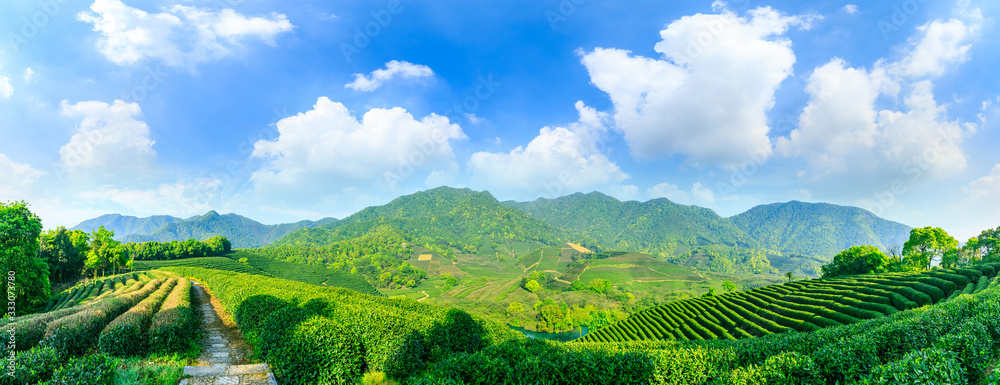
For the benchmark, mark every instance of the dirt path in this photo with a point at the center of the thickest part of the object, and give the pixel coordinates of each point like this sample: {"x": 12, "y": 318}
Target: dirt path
{"x": 426, "y": 296}
{"x": 224, "y": 359}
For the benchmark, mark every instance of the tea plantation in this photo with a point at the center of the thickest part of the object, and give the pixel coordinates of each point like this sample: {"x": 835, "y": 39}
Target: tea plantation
{"x": 127, "y": 315}
{"x": 217, "y": 263}
{"x": 800, "y": 306}
{"x": 310, "y": 334}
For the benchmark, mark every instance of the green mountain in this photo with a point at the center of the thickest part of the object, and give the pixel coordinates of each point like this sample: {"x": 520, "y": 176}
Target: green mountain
{"x": 440, "y": 218}
{"x": 818, "y": 229}
{"x": 242, "y": 232}
{"x": 658, "y": 227}
{"x": 124, "y": 225}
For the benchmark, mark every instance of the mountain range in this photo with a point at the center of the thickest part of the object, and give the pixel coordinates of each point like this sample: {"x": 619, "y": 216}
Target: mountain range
{"x": 471, "y": 220}
{"x": 241, "y": 231}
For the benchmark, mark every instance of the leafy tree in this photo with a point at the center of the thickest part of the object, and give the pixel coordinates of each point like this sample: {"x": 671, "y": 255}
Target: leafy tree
{"x": 857, "y": 260}
{"x": 600, "y": 286}
{"x": 728, "y": 286}
{"x": 985, "y": 246}
{"x": 577, "y": 285}
{"x": 930, "y": 243}
{"x": 532, "y": 286}
{"x": 26, "y": 275}
{"x": 65, "y": 252}
{"x": 515, "y": 308}
{"x": 710, "y": 293}
{"x": 790, "y": 276}
{"x": 105, "y": 252}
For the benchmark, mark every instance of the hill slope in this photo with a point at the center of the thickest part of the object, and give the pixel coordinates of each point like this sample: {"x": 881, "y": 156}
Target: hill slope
{"x": 818, "y": 229}
{"x": 241, "y": 231}
{"x": 124, "y": 225}
{"x": 658, "y": 227}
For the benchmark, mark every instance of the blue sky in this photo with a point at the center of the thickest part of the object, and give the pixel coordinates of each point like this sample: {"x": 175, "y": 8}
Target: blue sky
{"x": 283, "y": 111}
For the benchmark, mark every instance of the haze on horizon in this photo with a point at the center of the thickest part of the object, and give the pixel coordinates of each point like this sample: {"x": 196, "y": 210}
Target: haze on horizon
{"x": 287, "y": 111}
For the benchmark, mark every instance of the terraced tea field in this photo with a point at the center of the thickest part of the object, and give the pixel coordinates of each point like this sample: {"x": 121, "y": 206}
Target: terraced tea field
{"x": 311, "y": 274}
{"x": 801, "y": 306}
{"x": 215, "y": 263}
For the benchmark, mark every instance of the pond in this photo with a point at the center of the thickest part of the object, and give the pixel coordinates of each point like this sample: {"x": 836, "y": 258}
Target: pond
{"x": 561, "y": 337}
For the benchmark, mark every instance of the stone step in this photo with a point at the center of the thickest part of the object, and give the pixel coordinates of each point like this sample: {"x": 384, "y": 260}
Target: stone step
{"x": 229, "y": 375}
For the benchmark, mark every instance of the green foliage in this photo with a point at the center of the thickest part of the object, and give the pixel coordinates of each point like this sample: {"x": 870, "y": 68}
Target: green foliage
{"x": 216, "y": 263}
{"x": 126, "y": 335}
{"x": 32, "y": 366}
{"x": 600, "y": 286}
{"x": 174, "y": 326}
{"x": 65, "y": 252}
{"x": 192, "y": 248}
{"x": 929, "y": 244}
{"x": 928, "y": 366}
{"x": 96, "y": 369}
{"x": 532, "y": 286}
{"x": 319, "y": 350}
{"x": 105, "y": 253}
{"x": 311, "y": 274}
{"x": 857, "y": 260}
{"x": 241, "y": 231}
{"x": 20, "y": 230}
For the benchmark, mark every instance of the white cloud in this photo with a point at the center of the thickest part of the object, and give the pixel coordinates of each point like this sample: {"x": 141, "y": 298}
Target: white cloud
{"x": 558, "y": 161}
{"x": 17, "y": 178}
{"x": 328, "y": 149}
{"x": 943, "y": 44}
{"x": 180, "y": 36}
{"x": 110, "y": 144}
{"x": 29, "y": 75}
{"x": 843, "y": 131}
{"x": 6, "y": 90}
{"x": 697, "y": 195}
{"x": 707, "y": 97}
{"x": 851, "y": 9}
{"x": 393, "y": 69}
{"x": 180, "y": 199}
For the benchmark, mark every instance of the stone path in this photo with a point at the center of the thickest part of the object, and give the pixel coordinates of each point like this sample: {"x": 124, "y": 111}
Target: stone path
{"x": 224, "y": 357}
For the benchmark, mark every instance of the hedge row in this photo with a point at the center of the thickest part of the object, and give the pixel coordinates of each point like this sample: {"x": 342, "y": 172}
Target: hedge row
{"x": 292, "y": 326}
{"x": 125, "y": 336}
{"x": 174, "y": 327}
{"x": 73, "y": 334}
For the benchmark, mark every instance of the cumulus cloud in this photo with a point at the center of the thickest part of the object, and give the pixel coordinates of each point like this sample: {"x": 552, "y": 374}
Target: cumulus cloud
{"x": 707, "y": 97}
{"x": 180, "y": 36}
{"x": 6, "y": 90}
{"x": 851, "y": 9}
{"x": 181, "y": 199}
{"x": 29, "y": 75}
{"x": 393, "y": 69}
{"x": 697, "y": 195}
{"x": 17, "y": 178}
{"x": 110, "y": 143}
{"x": 843, "y": 129}
{"x": 558, "y": 161}
{"x": 328, "y": 149}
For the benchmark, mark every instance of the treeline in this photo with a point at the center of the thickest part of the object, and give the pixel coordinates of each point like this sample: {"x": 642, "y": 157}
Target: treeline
{"x": 380, "y": 256}
{"x": 927, "y": 247}
{"x": 192, "y": 248}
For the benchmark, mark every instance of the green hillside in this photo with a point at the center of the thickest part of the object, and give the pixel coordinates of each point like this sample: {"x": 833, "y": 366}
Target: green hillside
{"x": 802, "y": 306}
{"x": 442, "y": 219}
{"x": 242, "y": 232}
{"x": 659, "y": 227}
{"x": 124, "y": 225}
{"x": 818, "y": 229}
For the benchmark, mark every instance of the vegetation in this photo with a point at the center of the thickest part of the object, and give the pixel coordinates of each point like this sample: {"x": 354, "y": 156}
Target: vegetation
{"x": 802, "y": 306}
{"x": 26, "y": 276}
{"x": 311, "y": 274}
{"x": 241, "y": 231}
{"x": 858, "y": 260}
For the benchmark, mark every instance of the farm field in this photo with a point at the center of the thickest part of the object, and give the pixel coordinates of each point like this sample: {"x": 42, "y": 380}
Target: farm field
{"x": 802, "y": 306}
{"x": 143, "y": 314}
{"x": 217, "y": 263}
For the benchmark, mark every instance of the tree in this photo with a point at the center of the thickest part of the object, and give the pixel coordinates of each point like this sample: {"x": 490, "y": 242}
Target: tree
{"x": 728, "y": 286}
{"x": 710, "y": 293}
{"x": 532, "y": 286}
{"x": 790, "y": 276}
{"x": 26, "y": 277}
{"x": 65, "y": 252}
{"x": 105, "y": 252}
{"x": 515, "y": 308}
{"x": 600, "y": 286}
{"x": 857, "y": 260}
{"x": 930, "y": 243}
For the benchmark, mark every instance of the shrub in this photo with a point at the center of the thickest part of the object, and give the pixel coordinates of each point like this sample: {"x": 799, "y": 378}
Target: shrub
{"x": 97, "y": 369}
{"x": 32, "y": 366}
{"x": 319, "y": 351}
{"x": 72, "y": 335}
{"x": 782, "y": 369}
{"x": 126, "y": 335}
{"x": 174, "y": 326}
{"x": 928, "y": 366}
{"x": 973, "y": 346}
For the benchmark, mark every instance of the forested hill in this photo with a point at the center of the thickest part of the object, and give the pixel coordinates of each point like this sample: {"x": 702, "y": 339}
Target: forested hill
{"x": 658, "y": 227}
{"x": 820, "y": 229}
{"x": 242, "y": 232}
{"x": 460, "y": 218}
{"x": 124, "y": 225}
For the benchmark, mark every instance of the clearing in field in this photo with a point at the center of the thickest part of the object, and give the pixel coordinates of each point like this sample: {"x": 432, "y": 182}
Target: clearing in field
{"x": 424, "y": 257}
{"x": 579, "y": 248}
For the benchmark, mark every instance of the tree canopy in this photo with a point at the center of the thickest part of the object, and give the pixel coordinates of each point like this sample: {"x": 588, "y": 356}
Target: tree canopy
{"x": 26, "y": 277}
{"x": 857, "y": 260}
{"x": 928, "y": 245}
